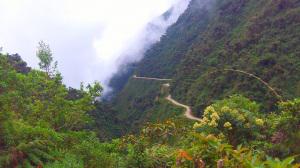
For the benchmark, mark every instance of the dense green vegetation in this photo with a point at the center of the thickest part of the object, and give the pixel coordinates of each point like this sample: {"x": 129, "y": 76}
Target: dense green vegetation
{"x": 215, "y": 50}
{"x": 260, "y": 37}
{"x": 236, "y": 62}
{"x": 39, "y": 122}
{"x": 257, "y": 36}
{"x": 44, "y": 124}
{"x": 233, "y": 133}
{"x": 142, "y": 102}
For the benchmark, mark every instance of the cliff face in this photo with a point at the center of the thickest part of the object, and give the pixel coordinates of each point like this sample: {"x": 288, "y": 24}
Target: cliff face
{"x": 260, "y": 37}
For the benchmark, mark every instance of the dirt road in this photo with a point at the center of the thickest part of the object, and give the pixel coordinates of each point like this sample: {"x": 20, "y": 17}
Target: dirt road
{"x": 146, "y": 78}
{"x": 188, "y": 111}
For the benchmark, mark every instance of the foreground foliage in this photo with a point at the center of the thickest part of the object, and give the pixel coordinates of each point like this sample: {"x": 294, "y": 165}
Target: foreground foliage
{"x": 232, "y": 133}
{"x": 38, "y": 122}
{"x": 44, "y": 124}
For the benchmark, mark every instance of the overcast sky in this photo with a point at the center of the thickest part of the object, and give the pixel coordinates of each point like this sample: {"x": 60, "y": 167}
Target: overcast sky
{"x": 90, "y": 39}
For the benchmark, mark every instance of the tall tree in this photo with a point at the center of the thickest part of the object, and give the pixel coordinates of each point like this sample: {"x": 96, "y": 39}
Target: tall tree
{"x": 44, "y": 53}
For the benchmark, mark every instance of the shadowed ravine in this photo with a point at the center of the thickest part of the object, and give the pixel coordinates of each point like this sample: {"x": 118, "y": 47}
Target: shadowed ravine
{"x": 188, "y": 110}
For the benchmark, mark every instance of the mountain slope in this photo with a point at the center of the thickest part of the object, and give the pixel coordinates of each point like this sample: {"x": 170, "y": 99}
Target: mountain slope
{"x": 260, "y": 37}
{"x": 257, "y": 36}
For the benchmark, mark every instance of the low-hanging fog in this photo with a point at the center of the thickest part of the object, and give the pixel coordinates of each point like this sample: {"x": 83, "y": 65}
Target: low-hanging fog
{"x": 90, "y": 39}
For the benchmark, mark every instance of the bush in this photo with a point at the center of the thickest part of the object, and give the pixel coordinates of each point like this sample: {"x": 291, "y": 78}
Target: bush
{"x": 237, "y": 118}
{"x": 286, "y": 126}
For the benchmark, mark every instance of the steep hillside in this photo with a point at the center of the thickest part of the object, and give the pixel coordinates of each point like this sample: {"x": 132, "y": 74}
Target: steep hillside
{"x": 137, "y": 99}
{"x": 260, "y": 37}
{"x": 142, "y": 101}
{"x": 163, "y": 58}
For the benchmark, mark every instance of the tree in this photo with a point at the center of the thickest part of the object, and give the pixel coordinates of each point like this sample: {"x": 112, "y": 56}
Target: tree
{"x": 44, "y": 53}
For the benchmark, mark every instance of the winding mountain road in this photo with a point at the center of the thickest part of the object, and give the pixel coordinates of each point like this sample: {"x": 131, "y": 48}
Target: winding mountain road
{"x": 188, "y": 110}
{"x": 146, "y": 78}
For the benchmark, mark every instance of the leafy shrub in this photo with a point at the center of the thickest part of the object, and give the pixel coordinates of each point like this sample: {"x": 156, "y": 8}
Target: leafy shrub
{"x": 286, "y": 126}
{"x": 237, "y": 118}
{"x": 69, "y": 161}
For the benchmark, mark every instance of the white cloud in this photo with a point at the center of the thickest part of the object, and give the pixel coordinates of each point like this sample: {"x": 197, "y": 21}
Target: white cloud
{"x": 89, "y": 38}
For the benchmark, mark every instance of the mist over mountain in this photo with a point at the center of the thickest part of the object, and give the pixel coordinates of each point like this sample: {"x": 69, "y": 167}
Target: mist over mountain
{"x": 185, "y": 84}
{"x": 140, "y": 42}
{"x": 209, "y": 38}
{"x": 96, "y": 36}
